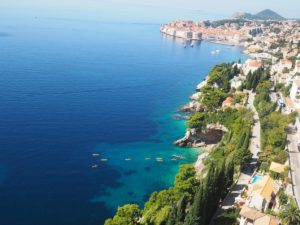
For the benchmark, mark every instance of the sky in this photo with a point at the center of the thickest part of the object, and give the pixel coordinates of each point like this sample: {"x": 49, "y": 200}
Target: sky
{"x": 144, "y": 11}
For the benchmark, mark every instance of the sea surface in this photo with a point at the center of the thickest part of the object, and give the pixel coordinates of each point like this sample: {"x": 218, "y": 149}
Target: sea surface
{"x": 71, "y": 88}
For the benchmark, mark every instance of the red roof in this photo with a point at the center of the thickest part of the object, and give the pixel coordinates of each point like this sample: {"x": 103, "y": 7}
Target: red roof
{"x": 255, "y": 64}
{"x": 228, "y": 100}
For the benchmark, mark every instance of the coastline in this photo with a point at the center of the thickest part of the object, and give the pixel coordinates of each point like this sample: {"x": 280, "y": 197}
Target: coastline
{"x": 201, "y": 152}
{"x": 212, "y": 40}
{"x": 206, "y": 150}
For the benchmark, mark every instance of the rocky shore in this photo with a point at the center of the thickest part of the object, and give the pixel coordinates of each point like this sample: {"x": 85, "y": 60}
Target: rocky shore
{"x": 205, "y": 139}
{"x": 194, "y": 139}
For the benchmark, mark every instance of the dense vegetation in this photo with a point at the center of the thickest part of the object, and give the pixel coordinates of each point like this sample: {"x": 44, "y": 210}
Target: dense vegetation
{"x": 253, "y": 79}
{"x": 273, "y": 125}
{"x": 218, "y": 23}
{"x": 218, "y": 86}
{"x": 194, "y": 199}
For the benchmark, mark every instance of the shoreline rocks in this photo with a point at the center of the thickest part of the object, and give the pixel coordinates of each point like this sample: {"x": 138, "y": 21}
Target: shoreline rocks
{"x": 193, "y": 138}
{"x": 193, "y": 106}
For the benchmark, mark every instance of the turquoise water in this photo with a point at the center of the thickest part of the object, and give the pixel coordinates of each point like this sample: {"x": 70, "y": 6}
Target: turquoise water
{"x": 71, "y": 88}
{"x": 256, "y": 179}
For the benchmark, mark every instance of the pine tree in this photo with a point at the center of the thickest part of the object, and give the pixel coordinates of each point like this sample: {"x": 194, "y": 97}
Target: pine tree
{"x": 229, "y": 174}
{"x": 181, "y": 208}
{"x": 222, "y": 180}
{"x": 241, "y": 140}
{"x": 197, "y": 207}
{"x": 172, "y": 216}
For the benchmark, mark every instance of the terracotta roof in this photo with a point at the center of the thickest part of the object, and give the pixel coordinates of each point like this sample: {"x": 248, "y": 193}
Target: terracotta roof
{"x": 257, "y": 217}
{"x": 266, "y": 220}
{"x": 255, "y": 64}
{"x": 251, "y": 213}
{"x": 228, "y": 100}
{"x": 297, "y": 82}
{"x": 289, "y": 102}
{"x": 286, "y": 61}
{"x": 277, "y": 167}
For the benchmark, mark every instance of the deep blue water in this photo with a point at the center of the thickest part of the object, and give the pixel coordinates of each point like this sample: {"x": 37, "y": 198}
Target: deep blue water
{"x": 73, "y": 88}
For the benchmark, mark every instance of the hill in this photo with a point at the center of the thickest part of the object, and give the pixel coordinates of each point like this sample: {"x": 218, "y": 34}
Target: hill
{"x": 266, "y": 14}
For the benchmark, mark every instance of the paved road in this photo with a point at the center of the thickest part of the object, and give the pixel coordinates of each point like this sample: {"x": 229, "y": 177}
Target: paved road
{"x": 255, "y": 139}
{"x": 246, "y": 173}
{"x": 293, "y": 137}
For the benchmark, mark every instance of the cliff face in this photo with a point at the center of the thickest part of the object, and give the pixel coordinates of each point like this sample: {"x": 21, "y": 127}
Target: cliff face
{"x": 193, "y": 138}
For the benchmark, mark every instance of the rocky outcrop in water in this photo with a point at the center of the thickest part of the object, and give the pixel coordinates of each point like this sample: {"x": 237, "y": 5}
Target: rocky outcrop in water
{"x": 193, "y": 106}
{"x": 193, "y": 138}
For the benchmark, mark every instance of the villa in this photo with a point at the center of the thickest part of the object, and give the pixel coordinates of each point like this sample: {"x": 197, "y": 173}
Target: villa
{"x": 250, "y": 216}
{"x": 228, "y": 102}
{"x": 285, "y": 64}
{"x": 252, "y": 66}
{"x": 262, "y": 193}
{"x": 236, "y": 82}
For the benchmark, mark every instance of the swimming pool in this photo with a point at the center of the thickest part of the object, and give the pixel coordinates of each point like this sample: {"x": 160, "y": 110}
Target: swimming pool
{"x": 255, "y": 179}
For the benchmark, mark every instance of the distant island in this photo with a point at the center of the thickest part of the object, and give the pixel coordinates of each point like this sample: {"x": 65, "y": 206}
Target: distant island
{"x": 266, "y": 14}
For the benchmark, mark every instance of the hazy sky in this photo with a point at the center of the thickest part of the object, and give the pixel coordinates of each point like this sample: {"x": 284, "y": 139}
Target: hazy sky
{"x": 141, "y": 10}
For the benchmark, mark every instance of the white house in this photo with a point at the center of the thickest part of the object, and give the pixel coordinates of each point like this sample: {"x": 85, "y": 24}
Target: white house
{"x": 295, "y": 93}
{"x": 297, "y": 67}
{"x": 250, "y": 216}
{"x": 285, "y": 64}
{"x": 236, "y": 82}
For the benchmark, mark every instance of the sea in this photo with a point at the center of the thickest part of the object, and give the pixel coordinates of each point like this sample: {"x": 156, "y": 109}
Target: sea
{"x": 72, "y": 89}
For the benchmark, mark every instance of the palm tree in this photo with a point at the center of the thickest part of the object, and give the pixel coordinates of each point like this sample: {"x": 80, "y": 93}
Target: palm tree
{"x": 290, "y": 215}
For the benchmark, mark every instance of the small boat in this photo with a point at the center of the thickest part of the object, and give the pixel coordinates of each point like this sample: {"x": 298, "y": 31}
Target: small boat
{"x": 184, "y": 46}
{"x": 217, "y": 51}
{"x": 95, "y": 154}
{"x": 213, "y": 52}
{"x": 147, "y": 158}
{"x": 178, "y": 156}
{"x": 128, "y": 159}
{"x": 192, "y": 45}
{"x": 159, "y": 158}
{"x": 173, "y": 159}
{"x": 104, "y": 160}
{"x": 94, "y": 166}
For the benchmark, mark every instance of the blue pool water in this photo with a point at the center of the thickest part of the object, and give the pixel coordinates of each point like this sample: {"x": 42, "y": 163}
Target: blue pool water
{"x": 256, "y": 179}
{"x": 73, "y": 88}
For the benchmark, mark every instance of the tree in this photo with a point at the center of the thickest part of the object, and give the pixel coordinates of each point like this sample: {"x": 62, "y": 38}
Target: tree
{"x": 212, "y": 97}
{"x": 283, "y": 198}
{"x": 229, "y": 172}
{"x": 290, "y": 215}
{"x": 172, "y": 216}
{"x": 126, "y": 215}
{"x": 182, "y": 204}
{"x": 198, "y": 209}
{"x": 197, "y": 121}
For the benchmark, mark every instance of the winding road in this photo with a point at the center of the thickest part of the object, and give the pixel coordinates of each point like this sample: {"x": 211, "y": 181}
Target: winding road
{"x": 246, "y": 173}
{"x": 293, "y": 136}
